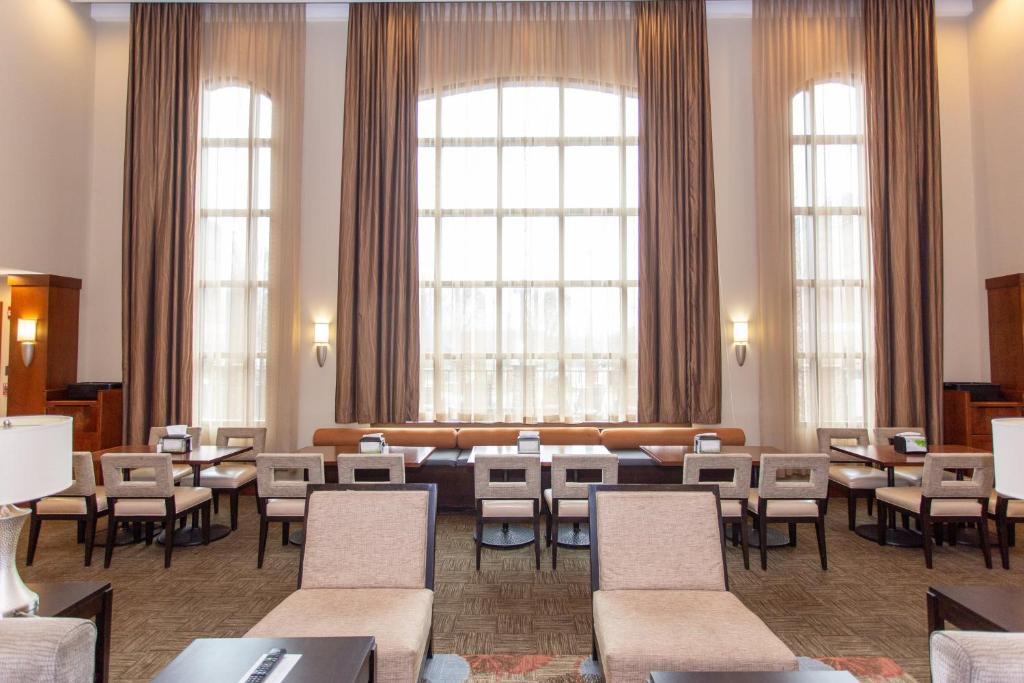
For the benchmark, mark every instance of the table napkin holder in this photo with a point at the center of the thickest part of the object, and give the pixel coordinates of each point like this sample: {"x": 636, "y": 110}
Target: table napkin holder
{"x": 372, "y": 444}
{"x": 708, "y": 442}
{"x": 528, "y": 443}
{"x": 910, "y": 442}
{"x": 175, "y": 443}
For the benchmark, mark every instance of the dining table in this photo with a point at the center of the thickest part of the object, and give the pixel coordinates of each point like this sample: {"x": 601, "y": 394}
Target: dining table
{"x": 886, "y": 457}
{"x": 197, "y": 458}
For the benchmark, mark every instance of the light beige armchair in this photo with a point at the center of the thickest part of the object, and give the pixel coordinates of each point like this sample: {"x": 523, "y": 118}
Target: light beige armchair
{"x": 379, "y": 582}
{"x": 661, "y": 589}
{"x": 977, "y": 657}
{"x": 47, "y": 650}
{"x": 82, "y": 502}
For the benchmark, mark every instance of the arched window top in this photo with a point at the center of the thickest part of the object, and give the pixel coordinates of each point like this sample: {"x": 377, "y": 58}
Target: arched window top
{"x": 232, "y": 111}
{"x": 830, "y": 107}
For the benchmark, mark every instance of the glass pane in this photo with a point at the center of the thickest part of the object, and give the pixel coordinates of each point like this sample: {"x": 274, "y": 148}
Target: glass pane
{"x": 223, "y": 249}
{"x": 426, "y": 321}
{"x": 800, "y": 110}
{"x": 265, "y": 118}
{"x": 426, "y": 118}
{"x": 469, "y": 177}
{"x": 471, "y": 114}
{"x": 632, "y": 117}
{"x": 806, "y": 322}
{"x": 468, "y": 320}
{"x": 801, "y": 179}
{"x": 263, "y": 248}
{"x": 592, "y": 248}
{"x": 529, "y": 111}
{"x": 529, "y": 248}
{"x": 263, "y": 185}
{"x": 632, "y": 248}
{"x": 225, "y": 181}
{"x": 841, "y": 248}
{"x": 838, "y": 175}
{"x": 226, "y": 112}
{"x": 632, "y": 177}
{"x": 592, "y": 320}
{"x": 529, "y": 177}
{"x": 529, "y": 320}
{"x": 591, "y": 113}
{"x": 837, "y": 109}
{"x": 469, "y": 249}
{"x": 426, "y": 249}
{"x": 425, "y": 178}
{"x": 803, "y": 247}
{"x": 591, "y": 177}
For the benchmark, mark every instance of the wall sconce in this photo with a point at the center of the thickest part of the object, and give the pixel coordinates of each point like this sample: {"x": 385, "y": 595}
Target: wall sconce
{"x": 321, "y": 338}
{"x": 740, "y": 337}
{"x": 27, "y": 338}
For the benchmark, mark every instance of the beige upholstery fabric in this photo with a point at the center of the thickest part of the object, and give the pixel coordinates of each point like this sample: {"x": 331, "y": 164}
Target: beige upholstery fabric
{"x": 669, "y": 540}
{"x": 227, "y": 475}
{"x": 562, "y": 465}
{"x": 156, "y": 433}
{"x": 881, "y": 435}
{"x": 977, "y": 657}
{"x": 508, "y": 508}
{"x": 47, "y": 650}
{"x": 115, "y": 464}
{"x": 84, "y": 482}
{"x": 740, "y": 464}
{"x": 786, "y": 507}
{"x": 908, "y": 475}
{"x": 179, "y": 470}
{"x": 814, "y": 487}
{"x": 829, "y": 436}
{"x": 731, "y": 508}
{"x": 936, "y": 484}
{"x": 285, "y": 507}
{"x": 399, "y": 620}
{"x": 366, "y": 539}
{"x": 185, "y": 498}
{"x": 271, "y": 466}
{"x": 1014, "y": 509}
{"x": 909, "y": 498}
{"x": 254, "y": 437}
{"x": 857, "y": 477}
{"x": 485, "y": 464}
{"x": 75, "y": 505}
{"x": 639, "y": 631}
{"x": 350, "y": 463}
{"x": 568, "y": 507}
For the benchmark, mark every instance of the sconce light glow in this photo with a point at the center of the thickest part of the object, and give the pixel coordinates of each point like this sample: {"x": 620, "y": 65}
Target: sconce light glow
{"x": 740, "y": 337}
{"x": 321, "y": 338}
{"x": 26, "y": 335}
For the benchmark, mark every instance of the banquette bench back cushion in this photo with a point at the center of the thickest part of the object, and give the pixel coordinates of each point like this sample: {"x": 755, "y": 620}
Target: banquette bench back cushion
{"x": 347, "y": 438}
{"x": 506, "y": 436}
{"x": 629, "y": 438}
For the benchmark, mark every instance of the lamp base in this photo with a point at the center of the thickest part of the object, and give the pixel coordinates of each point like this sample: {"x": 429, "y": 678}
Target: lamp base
{"x": 15, "y": 596}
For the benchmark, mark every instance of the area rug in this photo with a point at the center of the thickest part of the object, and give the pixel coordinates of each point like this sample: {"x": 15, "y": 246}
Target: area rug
{"x": 446, "y": 668}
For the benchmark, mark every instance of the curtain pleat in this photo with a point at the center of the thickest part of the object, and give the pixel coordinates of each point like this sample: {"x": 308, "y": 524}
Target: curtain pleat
{"x": 159, "y": 216}
{"x": 680, "y": 362}
{"x": 906, "y": 211}
{"x": 378, "y": 288}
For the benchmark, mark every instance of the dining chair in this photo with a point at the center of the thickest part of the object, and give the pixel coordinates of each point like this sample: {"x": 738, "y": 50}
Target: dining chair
{"x": 148, "y": 502}
{"x": 507, "y": 489}
{"x": 282, "y": 499}
{"x": 382, "y": 468}
{"x": 182, "y": 471}
{"x": 906, "y": 475}
{"x": 253, "y": 437}
{"x": 1006, "y": 513}
{"x": 83, "y": 502}
{"x": 234, "y": 474}
{"x": 800, "y": 497}
{"x": 942, "y": 500}
{"x": 730, "y": 472}
{"x": 566, "y": 500}
{"x": 856, "y": 478}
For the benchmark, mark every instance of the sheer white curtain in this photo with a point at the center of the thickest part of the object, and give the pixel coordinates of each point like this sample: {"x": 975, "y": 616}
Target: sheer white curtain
{"x": 812, "y": 218}
{"x": 528, "y": 212}
{"x": 246, "y": 310}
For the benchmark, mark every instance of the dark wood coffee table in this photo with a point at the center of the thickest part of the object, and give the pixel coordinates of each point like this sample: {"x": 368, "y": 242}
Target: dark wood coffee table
{"x": 225, "y": 660}
{"x": 752, "y": 677}
{"x": 976, "y": 608}
{"x": 81, "y": 600}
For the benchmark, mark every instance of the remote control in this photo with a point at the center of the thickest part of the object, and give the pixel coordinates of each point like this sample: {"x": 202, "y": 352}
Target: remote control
{"x": 270, "y": 660}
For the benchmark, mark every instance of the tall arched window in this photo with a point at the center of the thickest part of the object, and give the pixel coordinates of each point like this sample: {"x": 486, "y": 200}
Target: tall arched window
{"x": 831, "y": 260}
{"x": 528, "y": 253}
{"x": 232, "y": 257}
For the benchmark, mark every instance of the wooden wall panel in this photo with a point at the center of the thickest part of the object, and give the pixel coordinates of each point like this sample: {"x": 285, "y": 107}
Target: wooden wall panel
{"x": 1006, "y": 330}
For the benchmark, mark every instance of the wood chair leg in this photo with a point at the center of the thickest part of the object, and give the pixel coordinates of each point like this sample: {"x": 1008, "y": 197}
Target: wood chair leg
{"x": 851, "y": 510}
{"x": 554, "y": 541}
{"x": 926, "y": 525}
{"x": 108, "y": 551}
{"x": 216, "y": 501}
{"x": 819, "y": 530}
{"x": 1002, "y": 535}
{"x": 792, "y": 535}
{"x": 33, "y": 538}
{"x": 547, "y": 527}
{"x": 206, "y": 515}
{"x": 285, "y": 531}
{"x": 168, "y": 541}
{"x": 983, "y": 539}
{"x": 953, "y": 532}
{"x": 883, "y": 516}
{"x": 80, "y": 530}
{"x": 744, "y": 541}
{"x": 479, "y": 539}
{"x": 263, "y": 541}
{"x": 234, "y": 509}
{"x": 762, "y": 538}
{"x": 536, "y": 539}
{"x": 871, "y": 504}
{"x": 90, "y": 538}
{"x": 940, "y": 533}
{"x": 149, "y": 533}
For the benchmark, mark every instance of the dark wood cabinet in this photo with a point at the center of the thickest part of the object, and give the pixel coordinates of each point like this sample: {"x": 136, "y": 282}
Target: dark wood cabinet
{"x": 1006, "y": 332}
{"x": 96, "y": 423}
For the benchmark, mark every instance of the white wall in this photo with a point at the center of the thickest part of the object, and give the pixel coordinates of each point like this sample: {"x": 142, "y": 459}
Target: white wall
{"x": 46, "y": 73}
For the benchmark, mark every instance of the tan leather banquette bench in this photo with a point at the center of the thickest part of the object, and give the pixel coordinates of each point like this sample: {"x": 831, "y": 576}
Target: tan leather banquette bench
{"x": 448, "y": 467}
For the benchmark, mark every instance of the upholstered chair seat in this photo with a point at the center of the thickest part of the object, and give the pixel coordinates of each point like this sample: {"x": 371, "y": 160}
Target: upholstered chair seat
{"x": 732, "y": 508}
{"x": 508, "y": 508}
{"x": 806, "y": 507}
{"x": 228, "y": 475}
{"x": 70, "y": 505}
{"x": 639, "y": 631}
{"x": 285, "y": 507}
{"x": 909, "y": 498}
{"x": 857, "y": 476}
{"x": 185, "y": 498}
{"x": 398, "y": 619}
{"x": 83, "y": 502}
{"x": 1015, "y": 508}
{"x": 568, "y": 507}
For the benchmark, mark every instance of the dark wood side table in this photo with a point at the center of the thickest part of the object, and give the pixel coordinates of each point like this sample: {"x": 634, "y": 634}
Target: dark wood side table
{"x": 81, "y": 600}
{"x": 753, "y": 677}
{"x": 225, "y": 660}
{"x": 976, "y": 608}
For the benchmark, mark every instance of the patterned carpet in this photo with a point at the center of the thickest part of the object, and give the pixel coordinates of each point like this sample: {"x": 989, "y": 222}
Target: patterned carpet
{"x": 870, "y": 603}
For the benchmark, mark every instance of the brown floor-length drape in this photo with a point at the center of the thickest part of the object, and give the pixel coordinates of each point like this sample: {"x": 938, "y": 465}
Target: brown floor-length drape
{"x": 902, "y": 104}
{"x": 378, "y": 271}
{"x": 680, "y": 352}
{"x": 161, "y": 141}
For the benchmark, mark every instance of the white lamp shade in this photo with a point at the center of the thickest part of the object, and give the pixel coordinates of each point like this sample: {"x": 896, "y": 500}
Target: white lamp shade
{"x": 740, "y": 332}
{"x": 321, "y": 333}
{"x": 35, "y": 457}
{"x": 26, "y": 330}
{"x": 1008, "y": 449}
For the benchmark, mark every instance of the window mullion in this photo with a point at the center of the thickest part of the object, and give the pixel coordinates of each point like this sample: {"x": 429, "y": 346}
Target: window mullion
{"x": 438, "y": 364}
{"x": 499, "y": 365}
{"x": 562, "y": 365}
